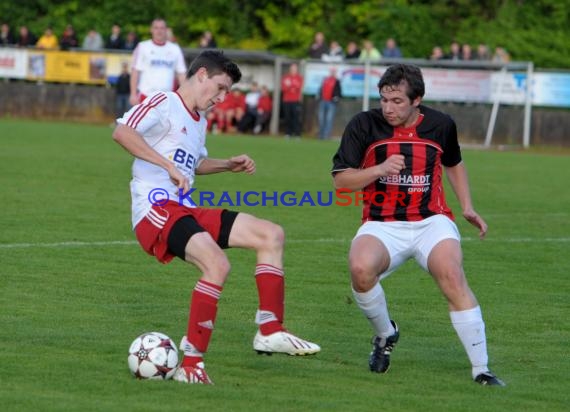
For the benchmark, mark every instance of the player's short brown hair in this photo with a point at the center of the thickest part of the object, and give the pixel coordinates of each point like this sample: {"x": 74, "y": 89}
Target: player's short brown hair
{"x": 215, "y": 62}
{"x": 409, "y": 73}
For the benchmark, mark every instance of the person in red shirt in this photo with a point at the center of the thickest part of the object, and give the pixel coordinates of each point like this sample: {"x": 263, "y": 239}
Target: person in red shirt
{"x": 235, "y": 113}
{"x": 264, "y": 107}
{"x": 329, "y": 94}
{"x": 395, "y": 156}
{"x": 217, "y": 115}
{"x": 292, "y": 94}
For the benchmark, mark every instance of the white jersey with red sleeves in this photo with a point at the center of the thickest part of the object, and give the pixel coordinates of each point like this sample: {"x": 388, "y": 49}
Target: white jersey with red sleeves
{"x": 157, "y": 64}
{"x": 170, "y": 128}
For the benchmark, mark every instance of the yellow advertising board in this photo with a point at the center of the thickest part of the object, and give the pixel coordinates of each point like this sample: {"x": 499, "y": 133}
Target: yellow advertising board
{"x": 115, "y": 62}
{"x": 68, "y": 67}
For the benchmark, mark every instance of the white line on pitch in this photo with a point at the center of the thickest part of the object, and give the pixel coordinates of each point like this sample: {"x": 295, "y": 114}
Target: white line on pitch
{"x": 321, "y": 240}
{"x": 67, "y": 244}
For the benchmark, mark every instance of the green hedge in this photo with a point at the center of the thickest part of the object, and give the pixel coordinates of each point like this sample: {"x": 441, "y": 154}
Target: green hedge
{"x": 530, "y": 30}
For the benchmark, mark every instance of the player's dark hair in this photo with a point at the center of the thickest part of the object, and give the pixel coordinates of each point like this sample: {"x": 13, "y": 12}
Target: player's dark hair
{"x": 215, "y": 62}
{"x": 398, "y": 73}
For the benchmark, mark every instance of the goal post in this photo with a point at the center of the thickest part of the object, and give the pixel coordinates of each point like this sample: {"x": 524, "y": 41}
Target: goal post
{"x": 497, "y": 102}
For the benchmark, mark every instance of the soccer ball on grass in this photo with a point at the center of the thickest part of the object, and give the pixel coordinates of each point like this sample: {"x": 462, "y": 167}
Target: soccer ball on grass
{"x": 153, "y": 355}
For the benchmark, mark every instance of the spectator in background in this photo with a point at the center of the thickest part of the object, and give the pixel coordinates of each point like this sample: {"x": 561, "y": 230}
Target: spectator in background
{"x": 292, "y": 95}
{"x": 334, "y": 54}
{"x": 369, "y": 52}
{"x": 318, "y": 47}
{"x": 454, "y": 51}
{"x": 48, "y": 40}
{"x": 68, "y": 38}
{"x": 236, "y": 111}
{"x": 93, "y": 41}
{"x": 224, "y": 116}
{"x": 466, "y": 52}
{"x": 115, "y": 40}
{"x": 203, "y": 43}
{"x": 122, "y": 91}
{"x": 26, "y": 38}
{"x": 391, "y": 50}
{"x": 437, "y": 53}
{"x": 216, "y": 117}
{"x": 352, "y": 51}
{"x": 251, "y": 100}
{"x": 264, "y": 108}
{"x": 329, "y": 94}
{"x": 207, "y": 41}
{"x": 131, "y": 41}
{"x": 6, "y": 36}
{"x": 482, "y": 52}
{"x": 157, "y": 64}
{"x": 501, "y": 55}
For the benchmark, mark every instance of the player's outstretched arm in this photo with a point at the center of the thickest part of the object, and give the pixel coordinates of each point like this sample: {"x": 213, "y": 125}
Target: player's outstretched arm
{"x": 241, "y": 163}
{"x": 457, "y": 176}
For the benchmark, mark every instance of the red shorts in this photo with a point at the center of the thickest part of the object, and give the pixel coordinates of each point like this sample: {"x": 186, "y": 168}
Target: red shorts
{"x": 153, "y": 230}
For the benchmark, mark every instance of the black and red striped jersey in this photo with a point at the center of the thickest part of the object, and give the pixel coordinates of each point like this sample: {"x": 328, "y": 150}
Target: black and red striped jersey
{"x": 417, "y": 192}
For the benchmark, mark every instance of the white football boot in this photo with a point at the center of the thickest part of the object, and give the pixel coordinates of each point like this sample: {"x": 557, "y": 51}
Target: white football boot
{"x": 283, "y": 342}
{"x": 192, "y": 374}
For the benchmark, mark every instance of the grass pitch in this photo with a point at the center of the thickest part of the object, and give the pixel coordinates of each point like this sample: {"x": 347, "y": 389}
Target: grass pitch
{"x": 75, "y": 289}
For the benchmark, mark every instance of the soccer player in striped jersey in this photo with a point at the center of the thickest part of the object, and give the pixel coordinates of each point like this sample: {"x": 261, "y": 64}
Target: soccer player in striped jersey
{"x": 166, "y": 135}
{"x": 395, "y": 156}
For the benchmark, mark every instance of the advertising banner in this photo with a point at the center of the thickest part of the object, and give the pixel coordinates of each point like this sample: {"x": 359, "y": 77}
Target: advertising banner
{"x": 114, "y": 65}
{"x": 453, "y": 85}
{"x": 442, "y": 84}
{"x": 351, "y": 79}
{"x": 75, "y": 67}
{"x": 457, "y": 85}
{"x": 13, "y": 63}
{"x": 551, "y": 89}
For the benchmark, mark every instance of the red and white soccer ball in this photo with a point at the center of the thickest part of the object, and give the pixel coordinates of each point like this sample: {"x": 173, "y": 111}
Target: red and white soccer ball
{"x": 153, "y": 355}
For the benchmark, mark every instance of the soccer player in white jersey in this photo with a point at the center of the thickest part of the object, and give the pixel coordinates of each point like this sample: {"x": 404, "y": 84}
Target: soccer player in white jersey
{"x": 157, "y": 63}
{"x": 166, "y": 134}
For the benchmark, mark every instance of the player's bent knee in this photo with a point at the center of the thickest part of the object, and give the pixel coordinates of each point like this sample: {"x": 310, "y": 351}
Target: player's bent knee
{"x": 452, "y": 282}
{"x": 223, "y": 265}
{"x": 363, "y": 275}
{"x": 272, "y": 236}
{"x": 217, "y": 268}
{"x": 362, "y": 285}
{"x": 278, "y": 235}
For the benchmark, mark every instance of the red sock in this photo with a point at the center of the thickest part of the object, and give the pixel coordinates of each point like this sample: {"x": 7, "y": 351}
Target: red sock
{"x": 271, "y": 289}
{"x": 203, "y": 309}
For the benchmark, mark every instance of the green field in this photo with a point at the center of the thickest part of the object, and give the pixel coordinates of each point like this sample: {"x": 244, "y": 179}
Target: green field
{"x": 75, "y": 289}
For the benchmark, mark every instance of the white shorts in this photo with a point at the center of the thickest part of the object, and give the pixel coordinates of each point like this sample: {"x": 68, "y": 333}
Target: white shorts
{"x": 405, "y": 240}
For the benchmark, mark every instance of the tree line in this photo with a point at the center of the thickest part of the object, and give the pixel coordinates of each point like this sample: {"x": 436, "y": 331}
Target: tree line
{"x": 530, "y": 30}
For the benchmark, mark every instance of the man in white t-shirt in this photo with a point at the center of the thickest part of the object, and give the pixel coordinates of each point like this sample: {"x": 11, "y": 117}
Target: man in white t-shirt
{"x": 157, "y": 64}
{"x": 166, "y": 133}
